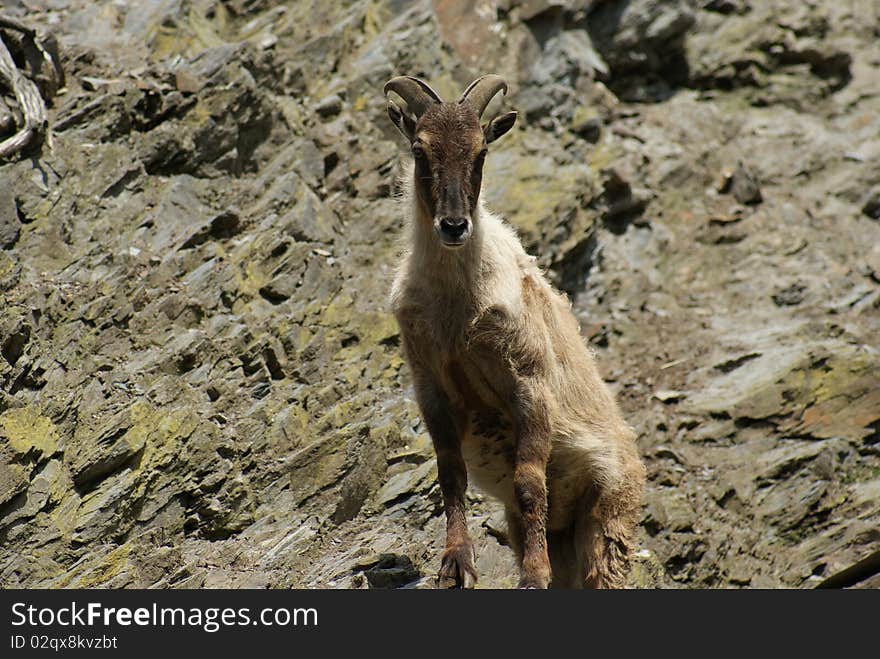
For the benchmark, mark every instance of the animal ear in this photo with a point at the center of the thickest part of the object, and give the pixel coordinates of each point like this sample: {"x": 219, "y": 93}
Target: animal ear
{"x": 405, "y": 124}
{"x": 498, "y": 126}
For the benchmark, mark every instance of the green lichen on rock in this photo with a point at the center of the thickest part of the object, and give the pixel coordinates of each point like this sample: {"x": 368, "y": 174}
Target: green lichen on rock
{"x": 519, "y": 188}
{"x": 813, "y": 392}
{"x": 13, "y": 481}
{"x": 28, "y": 432}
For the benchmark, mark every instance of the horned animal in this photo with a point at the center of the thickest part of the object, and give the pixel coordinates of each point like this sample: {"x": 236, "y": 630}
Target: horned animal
{"x": 509, "y": 392}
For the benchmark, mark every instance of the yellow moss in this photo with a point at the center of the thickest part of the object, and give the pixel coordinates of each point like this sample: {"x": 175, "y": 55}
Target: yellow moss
{"x": 168, "y": 41}
{"x": 101, "y": 571}
{"x": 41, "y": 210}
{"x": 161, "y": 433}
{"x": 394, "y": 364}
{"x": 60, "y": 488}
{"x": 313, "y": 307}
{"x": 291, "y": 111}
{"x": 281, "y": 326}
{"x": 325, "y": 458}
{"x": 158, "y": 431}
{"x": 27, "y": 431}
{"x": 583, "y": 113}
{"x": 13, "y": 480}
{"x": 297, "y": 424}
{"x": 375, "y": 327}
{"x": 303, "y": 336}
{"x": 536, "y": 196}
{"x": 351, "y": 373}
{"x": 375, "y": 16}
{"x": 254, "y": 279}
{"x": 843, "y": 376}
{"x": 195, "y": 33}
{"x": 64, "y": 516}
{"x": 338, "y": 312}
{"x": 341, "y": 413}
{"x": 602, "y": 156}
{"x": 646, "y": 571}
{"x": 249, "y": 276}
{"x": 7, "y": 265}
{"x": 209, "y": 30}
{"x": 360, "y": 104}
{"x": 198, "y": 115}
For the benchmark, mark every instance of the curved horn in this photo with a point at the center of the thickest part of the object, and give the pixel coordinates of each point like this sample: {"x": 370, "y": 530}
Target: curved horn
{"x": 417, "y": 93}
{"x": 482, "y": 90}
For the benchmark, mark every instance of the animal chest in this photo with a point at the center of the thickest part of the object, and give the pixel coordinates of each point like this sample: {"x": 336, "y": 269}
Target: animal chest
{"x": 481, "y": 393}
{"x": 478, "y": 384}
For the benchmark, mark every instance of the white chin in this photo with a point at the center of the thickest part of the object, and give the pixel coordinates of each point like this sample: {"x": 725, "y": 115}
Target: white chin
{"x": 453, "y": 245}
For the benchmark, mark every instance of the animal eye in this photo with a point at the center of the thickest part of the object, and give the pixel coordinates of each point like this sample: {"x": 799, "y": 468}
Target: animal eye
{"x": 418, "y": 152}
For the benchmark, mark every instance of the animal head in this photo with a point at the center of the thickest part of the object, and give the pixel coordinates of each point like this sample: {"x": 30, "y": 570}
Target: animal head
{"x": 449, "y": 146}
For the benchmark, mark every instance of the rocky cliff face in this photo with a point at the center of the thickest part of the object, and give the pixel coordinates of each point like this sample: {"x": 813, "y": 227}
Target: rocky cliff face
{"x": 201, "y": 385}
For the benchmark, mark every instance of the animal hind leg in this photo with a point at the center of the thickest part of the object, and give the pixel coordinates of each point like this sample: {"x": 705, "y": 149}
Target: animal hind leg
{"x": 560, "y": 548}
{"x": 603, "y": 541}
{"x": 514, "y": 533}
{"x": 563, "y": 559}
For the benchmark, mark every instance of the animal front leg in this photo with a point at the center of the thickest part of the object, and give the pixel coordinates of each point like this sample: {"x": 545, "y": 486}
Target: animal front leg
{"x": 457, "y": 564}
{"x": 530, "y": 487}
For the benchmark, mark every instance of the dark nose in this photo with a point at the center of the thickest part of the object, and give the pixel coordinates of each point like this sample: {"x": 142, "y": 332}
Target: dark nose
{"x": 453, "y": 227}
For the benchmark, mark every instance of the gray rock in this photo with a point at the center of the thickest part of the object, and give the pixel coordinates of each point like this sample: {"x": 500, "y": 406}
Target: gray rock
{"x": 669, "y": 396}
{"x": 669, "y": 510}
{"x": 727, "y": 6}
{"x": 99, "y": 453}
{"x": 10, "y": 226}
{"x": 13, "y": 482}
{"x": 871, "y": 204}
{"x": 329, "y": 106}
{"x": 566, "y": 58}
{"x": 790, "y": 296}
{"x": 744, "y": 186}
{"x": 641, "y": 41}
{"x": 407, "y": 483}
{"x": 391, "y": 571}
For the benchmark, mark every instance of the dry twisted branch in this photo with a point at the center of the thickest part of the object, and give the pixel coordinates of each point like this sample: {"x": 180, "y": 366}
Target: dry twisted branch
{"x": 27, "y": 93}
{"x": 13, "y": 24}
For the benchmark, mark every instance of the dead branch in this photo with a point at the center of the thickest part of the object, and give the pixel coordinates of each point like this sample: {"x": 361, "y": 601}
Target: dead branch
{"x": 12, "y": 24}
{"x": 29, "y": 100}
{"x": 31, "y": 104}
{"x": 7, "y": 120}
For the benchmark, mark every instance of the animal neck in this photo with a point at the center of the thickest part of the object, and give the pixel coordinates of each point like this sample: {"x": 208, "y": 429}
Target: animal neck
{"x": 450, "y": 271}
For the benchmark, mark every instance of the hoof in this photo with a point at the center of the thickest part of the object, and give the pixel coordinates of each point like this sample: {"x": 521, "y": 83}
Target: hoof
{"x": 457, "y": 568}
{"x": 533, "y": 583}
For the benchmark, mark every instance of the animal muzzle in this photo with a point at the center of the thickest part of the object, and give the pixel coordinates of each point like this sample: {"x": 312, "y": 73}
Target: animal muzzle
{"x": 453, "y": 231}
